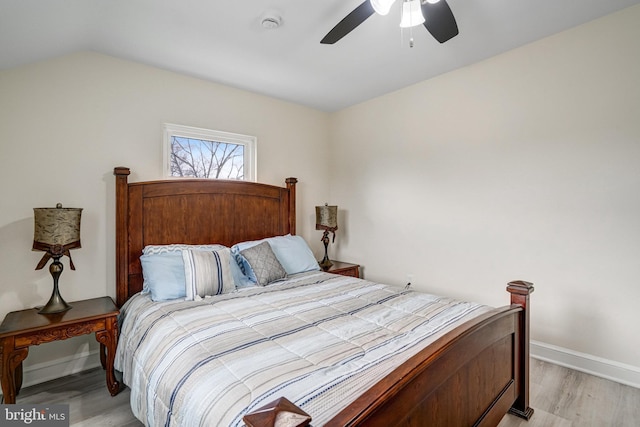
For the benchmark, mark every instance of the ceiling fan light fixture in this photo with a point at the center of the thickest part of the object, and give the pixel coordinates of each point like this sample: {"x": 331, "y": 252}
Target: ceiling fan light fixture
{"x": 382, "y": 7}
{"x": 433, "y": 1}
{"x": 411, "y": 14}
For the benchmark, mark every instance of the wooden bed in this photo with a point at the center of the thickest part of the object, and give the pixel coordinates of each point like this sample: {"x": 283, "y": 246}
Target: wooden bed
{"x": 471, "y": 376}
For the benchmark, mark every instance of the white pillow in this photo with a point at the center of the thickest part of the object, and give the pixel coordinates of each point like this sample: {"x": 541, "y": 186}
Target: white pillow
{"x": 177, "y": 247}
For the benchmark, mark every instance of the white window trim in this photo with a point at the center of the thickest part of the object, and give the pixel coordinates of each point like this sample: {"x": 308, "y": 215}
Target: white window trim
{"x": 249, "y": 142}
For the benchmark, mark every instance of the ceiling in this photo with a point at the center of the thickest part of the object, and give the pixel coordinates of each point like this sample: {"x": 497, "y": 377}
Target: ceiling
{"x": 223, "y": 40}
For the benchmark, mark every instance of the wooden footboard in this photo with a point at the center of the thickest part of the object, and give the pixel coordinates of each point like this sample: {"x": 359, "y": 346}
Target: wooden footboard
{"x": 471, "y": 376}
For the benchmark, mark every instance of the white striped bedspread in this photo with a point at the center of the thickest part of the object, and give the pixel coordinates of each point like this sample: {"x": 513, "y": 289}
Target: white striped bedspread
{"x": 318, "y": 339}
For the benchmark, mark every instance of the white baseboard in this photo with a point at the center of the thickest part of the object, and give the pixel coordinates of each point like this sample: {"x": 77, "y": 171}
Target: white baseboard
{"x": 587, "y": 363}
{"x": 51, "y": 370}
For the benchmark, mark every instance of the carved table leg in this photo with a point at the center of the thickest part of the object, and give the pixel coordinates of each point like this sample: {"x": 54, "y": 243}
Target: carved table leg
{"x": 11, "y": 371}
{"x": 18, "y": 378}
{"x": 103, "y": 356}
{"x": 108, "y": 340}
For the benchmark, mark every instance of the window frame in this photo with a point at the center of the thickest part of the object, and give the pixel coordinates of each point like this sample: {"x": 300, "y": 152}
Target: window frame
{"x": 249, "y": 142}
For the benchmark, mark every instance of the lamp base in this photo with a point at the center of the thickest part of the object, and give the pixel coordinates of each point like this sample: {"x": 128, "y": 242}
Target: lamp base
{"x": 325, "y": 264}
{"x": 56, "y": 304}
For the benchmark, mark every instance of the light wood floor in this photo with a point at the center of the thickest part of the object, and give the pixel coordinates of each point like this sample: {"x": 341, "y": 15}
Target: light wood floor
{"x": 560, "y": 397}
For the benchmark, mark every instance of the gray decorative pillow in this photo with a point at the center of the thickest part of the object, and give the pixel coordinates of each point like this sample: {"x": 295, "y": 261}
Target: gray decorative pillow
{"x": 264, "y": 263}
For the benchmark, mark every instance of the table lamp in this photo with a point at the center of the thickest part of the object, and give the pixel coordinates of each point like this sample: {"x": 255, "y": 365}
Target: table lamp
{"x": 327, "y": 220}
{"x": 56, "y": 231}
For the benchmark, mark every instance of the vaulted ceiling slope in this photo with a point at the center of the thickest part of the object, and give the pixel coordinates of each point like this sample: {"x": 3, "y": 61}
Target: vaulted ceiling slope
{"x": 225, "y": 41}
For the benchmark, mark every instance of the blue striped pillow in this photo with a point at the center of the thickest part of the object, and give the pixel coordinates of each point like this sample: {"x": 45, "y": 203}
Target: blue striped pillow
{"x": 207, "y": 273}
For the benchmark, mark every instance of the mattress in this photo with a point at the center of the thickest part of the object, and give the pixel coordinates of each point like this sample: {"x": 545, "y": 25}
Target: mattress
{"x": 318, "y": 339}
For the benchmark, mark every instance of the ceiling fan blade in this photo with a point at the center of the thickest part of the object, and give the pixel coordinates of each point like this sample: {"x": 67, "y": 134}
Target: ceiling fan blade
{"x": 351, "y": 21}
{"x": 439, "y": 20}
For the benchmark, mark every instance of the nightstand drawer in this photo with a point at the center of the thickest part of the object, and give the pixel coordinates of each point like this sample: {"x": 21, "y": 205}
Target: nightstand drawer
{"x": 344, "y": 269}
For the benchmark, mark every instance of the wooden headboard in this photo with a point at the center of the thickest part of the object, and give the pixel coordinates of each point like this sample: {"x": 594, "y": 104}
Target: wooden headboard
{"x": 193, "y": 211}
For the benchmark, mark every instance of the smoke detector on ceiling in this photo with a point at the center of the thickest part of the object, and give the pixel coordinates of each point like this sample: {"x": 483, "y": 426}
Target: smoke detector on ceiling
{"x": 271, "y": 22}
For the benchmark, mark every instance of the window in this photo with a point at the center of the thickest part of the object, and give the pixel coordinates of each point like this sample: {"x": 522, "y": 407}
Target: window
{"x": 203, "y": 153}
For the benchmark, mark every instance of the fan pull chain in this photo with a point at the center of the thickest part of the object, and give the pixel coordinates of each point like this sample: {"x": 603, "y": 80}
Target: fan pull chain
{"x": 411, "y": 39}
{"x": 410, "y": 36}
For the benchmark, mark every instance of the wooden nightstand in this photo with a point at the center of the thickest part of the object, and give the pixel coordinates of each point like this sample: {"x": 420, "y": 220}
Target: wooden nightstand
{"x": 344, "y": 268}
{"x": 21, "y": 329}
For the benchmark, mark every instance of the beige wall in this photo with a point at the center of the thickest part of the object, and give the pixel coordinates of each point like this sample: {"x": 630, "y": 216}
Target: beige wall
{"x": 65, "y": 123}
{"x": 525, "y": 166}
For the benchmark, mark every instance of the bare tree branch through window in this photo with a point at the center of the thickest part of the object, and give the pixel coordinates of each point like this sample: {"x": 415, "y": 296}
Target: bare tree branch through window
{"x": 191, "y": 152}
{"x": 197, "y": 158}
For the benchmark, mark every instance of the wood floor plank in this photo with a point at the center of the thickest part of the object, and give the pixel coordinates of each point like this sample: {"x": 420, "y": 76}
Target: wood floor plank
{"x": 90, "y": 403}
{"x": 560, "y": 396}
{"x": 564, "y": 397}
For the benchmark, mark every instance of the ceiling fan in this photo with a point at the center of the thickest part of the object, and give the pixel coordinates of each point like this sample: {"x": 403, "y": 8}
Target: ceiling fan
{"x": 436, "y": 16}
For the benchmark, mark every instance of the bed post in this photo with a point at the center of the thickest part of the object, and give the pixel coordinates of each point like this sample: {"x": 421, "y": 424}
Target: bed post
{"x": 520, "y": 291}
{"x": 122, "y": 207}
{"x": 291, "y": 186}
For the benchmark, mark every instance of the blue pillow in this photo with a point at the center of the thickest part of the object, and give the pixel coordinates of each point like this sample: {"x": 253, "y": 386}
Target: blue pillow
{"x": 164, "y": 276}
{"x": 244, "y": 267}
{"x": 293, "y": 253}
{"x": 239, "y": 278}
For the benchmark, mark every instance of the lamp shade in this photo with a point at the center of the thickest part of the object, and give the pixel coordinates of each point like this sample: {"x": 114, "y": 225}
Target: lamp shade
{"x": 326, "y": 217}
{"x": 56, "y": 227}
{"x": 56, "y": 231}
